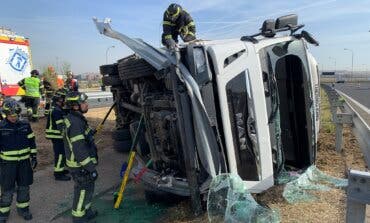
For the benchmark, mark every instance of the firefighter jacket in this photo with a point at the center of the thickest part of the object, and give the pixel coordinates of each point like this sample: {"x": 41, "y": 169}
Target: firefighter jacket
{"x": 72, "y": 84}
{"x": 17, "y": 141}
{"x": 184, "y": 25}
{"x": 79, "y": 142}
{"x": 54, "y": 123}
{"x": 33, "y": 86}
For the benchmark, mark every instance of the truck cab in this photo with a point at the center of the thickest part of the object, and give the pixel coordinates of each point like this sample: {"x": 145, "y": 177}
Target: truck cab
{"x": 247, "y": 106}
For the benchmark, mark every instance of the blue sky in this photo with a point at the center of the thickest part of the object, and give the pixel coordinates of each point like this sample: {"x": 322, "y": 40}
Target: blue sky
{"x": 63, "y": 30}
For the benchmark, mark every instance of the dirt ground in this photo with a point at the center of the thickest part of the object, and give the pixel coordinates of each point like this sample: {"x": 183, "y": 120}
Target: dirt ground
{"x": 102, "y": 139}
{"x": 330, "y": 207}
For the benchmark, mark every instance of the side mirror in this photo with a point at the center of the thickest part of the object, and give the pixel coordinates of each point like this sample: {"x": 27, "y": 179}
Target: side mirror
{"x": 309, "y": 38}
{"x": 286, "y": 21}
{"x": 268, "y": 28}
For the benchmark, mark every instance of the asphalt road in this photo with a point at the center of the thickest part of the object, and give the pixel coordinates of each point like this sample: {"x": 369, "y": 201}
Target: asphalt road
{"x": 359, "y": 92}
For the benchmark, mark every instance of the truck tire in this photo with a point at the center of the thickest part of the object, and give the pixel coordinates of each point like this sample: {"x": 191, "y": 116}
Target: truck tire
{"x": 121, "y": 135}
{"x": 134, "y": 67}
{"x": 122, "y": 146}
{"x": 111, "y": 80}
{"x": 109, "y": 69}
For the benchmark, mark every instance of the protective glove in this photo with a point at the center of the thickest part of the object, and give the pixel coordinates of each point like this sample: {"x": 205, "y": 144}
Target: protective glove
{"x": 33, "y": 162}
{"x": 171, "y": 44}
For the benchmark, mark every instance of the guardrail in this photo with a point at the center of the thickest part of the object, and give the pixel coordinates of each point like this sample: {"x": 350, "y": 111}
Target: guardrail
{"x": 97, "y": 102}
{"x": 358, "y": 194}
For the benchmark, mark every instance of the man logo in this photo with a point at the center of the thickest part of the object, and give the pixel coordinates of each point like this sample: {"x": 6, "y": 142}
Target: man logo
{"x": 18, "y": 60}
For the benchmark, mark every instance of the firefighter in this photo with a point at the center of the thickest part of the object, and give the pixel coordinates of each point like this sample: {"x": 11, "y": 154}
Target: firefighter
{"x": 71, "y": 82}
{"x": 53, "y": 131}
{"x": 49, "y": 92}
{"x": 34, "y": 89}
{"x": 81, "y": 156}
{"x": 18, "y": 159}
{"x": 176, "y": 21}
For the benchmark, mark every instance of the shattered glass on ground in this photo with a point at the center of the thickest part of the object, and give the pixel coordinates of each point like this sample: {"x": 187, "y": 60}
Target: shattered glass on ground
{"x": 312, "y": 179}
{"x": 229, "y": 201}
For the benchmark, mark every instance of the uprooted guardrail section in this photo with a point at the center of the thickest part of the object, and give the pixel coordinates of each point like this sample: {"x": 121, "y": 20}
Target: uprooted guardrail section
{"x": 358, "y": 194}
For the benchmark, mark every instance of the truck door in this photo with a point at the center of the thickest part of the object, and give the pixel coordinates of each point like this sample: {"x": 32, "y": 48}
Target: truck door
{"x": 244, "y": 116}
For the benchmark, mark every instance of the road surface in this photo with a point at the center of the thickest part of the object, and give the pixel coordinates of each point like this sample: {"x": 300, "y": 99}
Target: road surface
{"x": 359, "y": 92}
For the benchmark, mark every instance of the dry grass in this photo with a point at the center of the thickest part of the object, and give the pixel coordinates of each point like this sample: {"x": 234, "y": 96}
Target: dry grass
{"x": 103, "y": 139}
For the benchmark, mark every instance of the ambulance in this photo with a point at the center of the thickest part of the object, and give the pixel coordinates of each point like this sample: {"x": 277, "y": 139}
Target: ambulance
{"x": 15, "y": 61}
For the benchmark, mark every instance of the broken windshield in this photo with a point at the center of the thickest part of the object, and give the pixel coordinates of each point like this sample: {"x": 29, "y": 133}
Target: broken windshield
{"x": 286, "y": 76}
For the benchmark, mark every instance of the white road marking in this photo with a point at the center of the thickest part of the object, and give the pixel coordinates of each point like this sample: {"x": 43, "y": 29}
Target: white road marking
{"x": 363, "y": 107}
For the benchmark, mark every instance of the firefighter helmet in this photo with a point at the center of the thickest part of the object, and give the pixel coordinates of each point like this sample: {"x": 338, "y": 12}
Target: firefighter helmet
{"x": 35, "y": 73}
{"x": 60, "y": 94}
{"x": 173, "y": 11}
{"x": 11, "y": 107}
{"x": 75, "y": 98}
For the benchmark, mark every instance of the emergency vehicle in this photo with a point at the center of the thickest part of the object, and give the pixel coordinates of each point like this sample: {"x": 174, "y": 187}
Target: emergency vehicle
{"x": 15, "y": 61}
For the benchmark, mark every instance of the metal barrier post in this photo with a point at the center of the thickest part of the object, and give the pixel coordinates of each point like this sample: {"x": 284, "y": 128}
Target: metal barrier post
{"x": 358, "y": 195}
{"x": 340, "y": 119}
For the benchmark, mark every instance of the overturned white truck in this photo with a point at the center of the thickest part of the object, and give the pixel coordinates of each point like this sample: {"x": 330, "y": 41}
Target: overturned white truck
{"x": 248, "y": 106}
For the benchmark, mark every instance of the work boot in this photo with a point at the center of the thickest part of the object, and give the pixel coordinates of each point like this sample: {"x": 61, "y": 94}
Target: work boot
{"x": 24, "y": 213}
{"x": 91, "y": 214}
{"x": 3, "y": 219}
{"x": 61, "y": 177}
{"x": 65, "y": 172}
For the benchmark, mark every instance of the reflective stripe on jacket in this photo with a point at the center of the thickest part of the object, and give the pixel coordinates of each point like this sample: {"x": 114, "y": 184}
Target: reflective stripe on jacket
{"x": 17, "y": 141}
{"x": 54, "y": 124}
{"x": 78, "y": 142}
{"x": 183, "y": 26}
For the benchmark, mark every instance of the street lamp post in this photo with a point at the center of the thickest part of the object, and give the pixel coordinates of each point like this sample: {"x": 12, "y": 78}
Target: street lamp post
{"x": 106, "y": 54}
{"x": 352, "y": 61}
{"x": 335, "y": 68}
{"x": 335, "y": 63}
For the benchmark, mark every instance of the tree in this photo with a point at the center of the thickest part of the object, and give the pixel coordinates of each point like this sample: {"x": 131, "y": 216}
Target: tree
{"x": 65, "y": 67}
{"x": 50, "y": 76}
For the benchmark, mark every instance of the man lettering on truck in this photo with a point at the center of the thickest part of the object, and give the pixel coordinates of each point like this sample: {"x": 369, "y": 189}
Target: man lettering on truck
{"x": 33, "y": 88}
{"x": 176, "y": 21}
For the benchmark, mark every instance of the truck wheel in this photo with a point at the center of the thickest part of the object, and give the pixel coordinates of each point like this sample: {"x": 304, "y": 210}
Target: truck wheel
{"x": 122, "y": 146}
{"x": 134, "y": 67}
{"x": 111, "y": 80}
{"x": 121, "y": 135}
{"x": 109, "y": 69}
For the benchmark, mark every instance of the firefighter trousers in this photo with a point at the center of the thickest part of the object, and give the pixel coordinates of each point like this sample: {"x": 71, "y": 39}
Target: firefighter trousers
{"x": 59, "y": 156}
{"x": 32, "y": 105}
{"x": 83, "y": 194}
{"x": 16, "y": 176}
